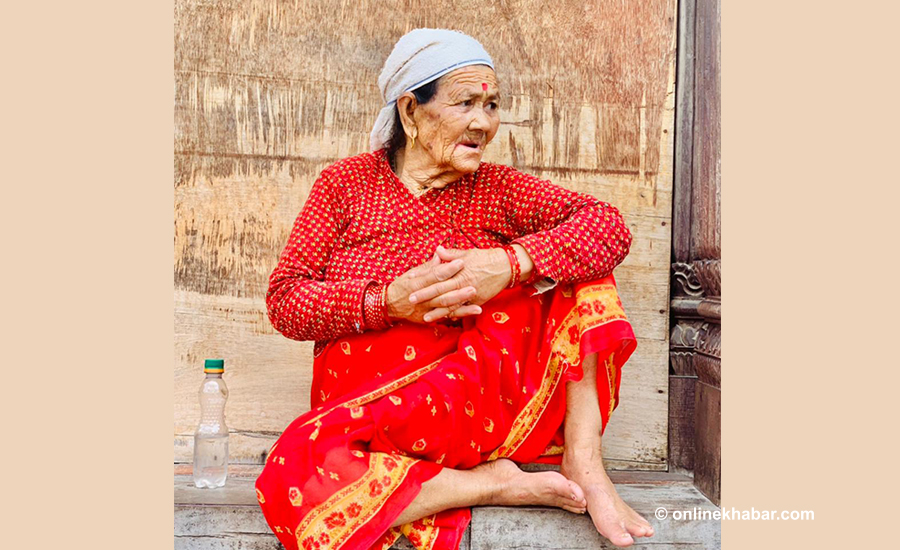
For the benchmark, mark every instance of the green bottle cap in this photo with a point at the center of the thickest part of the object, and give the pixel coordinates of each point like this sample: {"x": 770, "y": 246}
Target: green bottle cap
{"x": 214, "y": 365}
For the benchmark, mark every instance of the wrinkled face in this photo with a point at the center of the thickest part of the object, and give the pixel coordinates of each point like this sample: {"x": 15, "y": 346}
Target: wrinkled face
{"x": 462, "y": 118}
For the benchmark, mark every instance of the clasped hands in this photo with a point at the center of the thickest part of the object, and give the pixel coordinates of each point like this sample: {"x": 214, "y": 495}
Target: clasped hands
{"x": 453, "y": 283}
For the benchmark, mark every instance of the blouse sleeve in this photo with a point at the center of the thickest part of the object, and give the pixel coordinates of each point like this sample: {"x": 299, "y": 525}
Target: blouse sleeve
{"x": 572, "y": 237}
{"x": 301, "y": 304}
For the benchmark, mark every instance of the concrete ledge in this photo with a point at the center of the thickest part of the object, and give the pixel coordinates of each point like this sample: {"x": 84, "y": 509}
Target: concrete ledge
{"x": 229, "y": 518}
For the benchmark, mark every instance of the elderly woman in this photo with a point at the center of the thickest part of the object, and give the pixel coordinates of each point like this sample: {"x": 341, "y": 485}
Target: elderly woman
{"x": 465, "y": 320}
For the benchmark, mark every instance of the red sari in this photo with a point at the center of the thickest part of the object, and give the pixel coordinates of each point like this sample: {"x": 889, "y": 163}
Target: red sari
{"x": 393, "y": 407}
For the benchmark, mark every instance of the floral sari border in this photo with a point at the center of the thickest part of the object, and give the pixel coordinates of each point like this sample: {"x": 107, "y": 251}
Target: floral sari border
{"x": 332, "y": 523}
{"x": 422, "y": 533}
{"x": 563, "y": 347}
{"x": 612, "y": 372}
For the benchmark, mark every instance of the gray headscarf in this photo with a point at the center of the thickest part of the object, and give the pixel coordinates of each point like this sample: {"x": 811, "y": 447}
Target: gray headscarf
{"x": 419, "y": 57}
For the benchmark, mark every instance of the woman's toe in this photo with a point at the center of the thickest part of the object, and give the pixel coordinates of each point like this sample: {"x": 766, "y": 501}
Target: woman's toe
{"x": 641, "y": 522}
{"x": 648, "y": 529}
{"x": 622, "y": 538}
{"x": 577, "y": 492}
{"x": 638, "y": 530}
{"x": 574, "y": 509}
{"x": 565, "y": 501}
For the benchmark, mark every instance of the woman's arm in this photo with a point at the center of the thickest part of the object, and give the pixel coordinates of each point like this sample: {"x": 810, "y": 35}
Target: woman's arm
{"x": 301, "y": 304}
{"x": 569, "y": 236}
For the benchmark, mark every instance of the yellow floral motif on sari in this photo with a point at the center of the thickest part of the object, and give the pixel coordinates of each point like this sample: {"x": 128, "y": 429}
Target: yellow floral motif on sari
{"x": 611, "y": 376}
{"x": 552, "y": 450}
{"x": 422, "y": 533}
{"x": 389, "y": 538}
{"x": 315, "y": 432}
{"x": 330, "y": 524}
{"x": 376, "y": 394}
{"x": 488, "y": 425}
{"x": 598, "y": 304}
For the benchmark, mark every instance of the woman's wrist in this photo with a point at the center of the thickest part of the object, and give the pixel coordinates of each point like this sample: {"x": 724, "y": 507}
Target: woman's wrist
{"x": 375, "y": 307}
{"x": 526, "y": 264}
{"x": 390, "y": 299}
{"x": 515, "y": 270}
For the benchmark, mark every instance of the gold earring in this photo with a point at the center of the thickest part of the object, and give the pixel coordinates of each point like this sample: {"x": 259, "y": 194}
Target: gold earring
{"x": 413, "y": 141}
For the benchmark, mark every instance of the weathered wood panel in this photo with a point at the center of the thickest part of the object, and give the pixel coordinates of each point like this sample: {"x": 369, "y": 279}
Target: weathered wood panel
{"x": 684, "y": 133}
{"x": 708, "y": 441}
{"x": 269, "y": 93}
{"x": 681, "y": 422}
{"x": 707, "y": 149}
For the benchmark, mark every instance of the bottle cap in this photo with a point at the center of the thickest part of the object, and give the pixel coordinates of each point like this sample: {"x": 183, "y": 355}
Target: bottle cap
{"x": 214, "y": 366}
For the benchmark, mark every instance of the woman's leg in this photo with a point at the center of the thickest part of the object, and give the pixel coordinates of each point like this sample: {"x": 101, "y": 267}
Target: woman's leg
{"x": 583, "y": 464}
{"x": 497, "y": 483}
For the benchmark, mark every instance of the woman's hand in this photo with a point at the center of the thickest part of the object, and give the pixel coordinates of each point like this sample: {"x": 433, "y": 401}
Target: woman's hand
{"x": 402, "y": 291}
{"x": 486, "y": 270}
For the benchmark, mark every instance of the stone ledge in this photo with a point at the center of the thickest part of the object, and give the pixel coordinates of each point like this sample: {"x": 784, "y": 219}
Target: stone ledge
{"x": 229, "y": 518}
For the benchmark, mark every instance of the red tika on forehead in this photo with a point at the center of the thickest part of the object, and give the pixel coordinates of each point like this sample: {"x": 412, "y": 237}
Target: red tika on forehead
{"x": 484, "y": 86}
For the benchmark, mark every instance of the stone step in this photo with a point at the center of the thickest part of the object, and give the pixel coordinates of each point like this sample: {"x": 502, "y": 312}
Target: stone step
{"x": 229, "y": 518}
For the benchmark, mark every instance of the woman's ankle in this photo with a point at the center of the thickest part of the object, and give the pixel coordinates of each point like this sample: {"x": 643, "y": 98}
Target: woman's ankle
{"x": 490, "y": 483}
{"x": 584, "y": 449}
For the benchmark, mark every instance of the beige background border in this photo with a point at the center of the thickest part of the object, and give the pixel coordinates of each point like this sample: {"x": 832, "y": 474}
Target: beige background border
{"x": 809, "y": 143}
{"x": 809, "y": 380}
{"x": 87, "y": 270}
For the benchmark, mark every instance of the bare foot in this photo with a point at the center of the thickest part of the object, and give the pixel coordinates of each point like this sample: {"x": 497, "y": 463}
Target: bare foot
{"x": 613, "y": 518}
{"x": 513, "y": 487}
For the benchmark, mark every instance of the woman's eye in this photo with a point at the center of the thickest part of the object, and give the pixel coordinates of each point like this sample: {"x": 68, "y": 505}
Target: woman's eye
{"x": 493, "y": 105}
{"x": 469, "y": 102}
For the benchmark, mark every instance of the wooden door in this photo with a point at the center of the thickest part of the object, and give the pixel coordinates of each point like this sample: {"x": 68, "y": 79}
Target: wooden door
{"x": 695, "y": 380}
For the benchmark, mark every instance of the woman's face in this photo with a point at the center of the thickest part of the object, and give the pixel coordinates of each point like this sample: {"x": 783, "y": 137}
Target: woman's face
{"x": 461, "y": 119}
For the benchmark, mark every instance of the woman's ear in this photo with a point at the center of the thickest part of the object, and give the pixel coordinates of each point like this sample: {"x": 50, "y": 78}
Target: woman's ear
{"x": 406, "y": 106}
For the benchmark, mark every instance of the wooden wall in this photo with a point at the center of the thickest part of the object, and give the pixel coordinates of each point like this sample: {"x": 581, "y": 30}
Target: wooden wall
{"x": 268, "y": 93}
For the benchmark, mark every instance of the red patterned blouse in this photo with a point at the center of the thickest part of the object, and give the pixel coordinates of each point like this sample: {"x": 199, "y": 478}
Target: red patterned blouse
{"x": 361, "y": 227}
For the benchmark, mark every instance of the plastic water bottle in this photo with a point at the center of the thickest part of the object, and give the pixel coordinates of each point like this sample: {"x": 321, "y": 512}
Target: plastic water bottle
{"x": 211, "y": 437}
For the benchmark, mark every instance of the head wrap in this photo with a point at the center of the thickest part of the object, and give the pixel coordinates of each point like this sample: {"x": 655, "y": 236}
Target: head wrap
{"x": 419, "y": 57}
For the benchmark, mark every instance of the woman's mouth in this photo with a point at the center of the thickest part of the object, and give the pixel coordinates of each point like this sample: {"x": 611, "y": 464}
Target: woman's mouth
{"x": 471, "y": 145}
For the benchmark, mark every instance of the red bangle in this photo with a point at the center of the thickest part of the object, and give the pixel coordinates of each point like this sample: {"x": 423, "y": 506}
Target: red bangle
{"x": 383, "y": 306}
{"x": 514, "y": 266}
{"x": 534, "y": 277}
{"x": 375, "y": 313}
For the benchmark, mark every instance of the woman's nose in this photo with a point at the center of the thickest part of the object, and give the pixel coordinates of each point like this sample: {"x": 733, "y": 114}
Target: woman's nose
{"x": 480, "y": 121}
